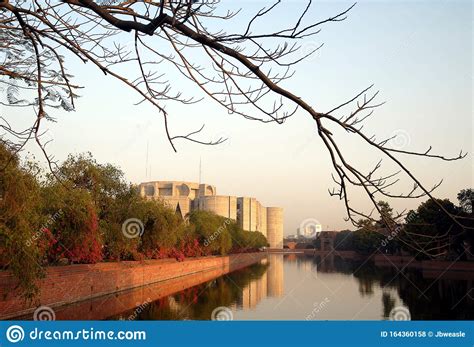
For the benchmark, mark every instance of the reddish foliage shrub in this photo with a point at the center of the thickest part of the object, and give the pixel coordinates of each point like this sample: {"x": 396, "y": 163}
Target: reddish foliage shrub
{"x": 88, "y": 249}
{"x": 191, "y": 248}
{"x": 177, "y": 254}
{"x": 48, "y": 245}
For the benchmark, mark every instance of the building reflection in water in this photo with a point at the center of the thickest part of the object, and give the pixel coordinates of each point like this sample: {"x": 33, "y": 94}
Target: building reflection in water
{"x": 275, "y": 275}
{"x": 253, "y": 293}
{"x": 242, "y": 289}
{"x": 270, "y": 284}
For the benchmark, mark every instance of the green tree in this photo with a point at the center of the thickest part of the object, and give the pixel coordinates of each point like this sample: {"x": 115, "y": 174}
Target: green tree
{"x": 344, "y": 241}
{"x": 114, "y": 199}
{"x": 386, "y": 215}
{"x": 73, "y": 233}
{"x": 105, "y": 182}
{"x": 212, "y": 231}
{"x": 432, "y": 230}
{"x": 163, "y": 228}
{"x": 466, "y": 199}
{"x": 20, "y": 221}
{"x": 367, "y": 241}
{"x": 116, "y": 245}
{"x": 245, "y": 241}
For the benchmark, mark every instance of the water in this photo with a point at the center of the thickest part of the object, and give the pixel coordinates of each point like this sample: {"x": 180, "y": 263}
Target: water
{"x": 303, "y": 287}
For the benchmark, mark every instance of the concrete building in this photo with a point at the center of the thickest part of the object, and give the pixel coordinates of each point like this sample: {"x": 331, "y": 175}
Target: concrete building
{"x": 275, "y": 226}
{"x": 251, "y": 215}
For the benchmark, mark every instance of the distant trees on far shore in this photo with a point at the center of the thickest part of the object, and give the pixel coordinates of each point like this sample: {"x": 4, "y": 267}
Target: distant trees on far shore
{"x": 429, "y": 227}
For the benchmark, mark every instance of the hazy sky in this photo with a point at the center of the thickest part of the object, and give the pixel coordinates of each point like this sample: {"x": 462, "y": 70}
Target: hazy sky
{"x": 418, "y": 54}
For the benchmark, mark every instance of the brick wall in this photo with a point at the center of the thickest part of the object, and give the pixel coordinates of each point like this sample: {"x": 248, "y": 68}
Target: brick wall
{"x": 69, "y": 284}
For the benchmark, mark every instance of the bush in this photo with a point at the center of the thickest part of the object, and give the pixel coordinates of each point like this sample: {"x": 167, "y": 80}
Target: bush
{"x": 74, "y": 234}
{"x": 162, "y": 229}
{"x": 245, "y": 241}
{"x": 112, "y": 198}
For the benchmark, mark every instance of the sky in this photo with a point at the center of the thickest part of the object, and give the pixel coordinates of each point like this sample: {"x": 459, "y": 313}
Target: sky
{"x": 417, "y": 53}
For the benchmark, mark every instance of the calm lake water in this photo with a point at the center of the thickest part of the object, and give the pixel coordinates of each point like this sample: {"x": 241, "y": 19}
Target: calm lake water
{"x": 300, "y": 287}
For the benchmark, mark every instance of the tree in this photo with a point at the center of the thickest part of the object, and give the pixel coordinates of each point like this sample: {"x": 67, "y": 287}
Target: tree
{"x": 106, "y": 183}
{"x": 386, "y": 215}
{"x": 74, "y": 233}
{"x": 113, "y": 199}
{"x": 212, "y": 231}
{"x": 366, "y": 241}
{"x": 244, "y": 241}
{"x": 466, "y": 199}
{"x": 432, "y": 230}
{"x": 242, "y": 71}
{"x": 163, "y": 228}
{"x": 20, "y": 221}
{"x": 344, "y": 241}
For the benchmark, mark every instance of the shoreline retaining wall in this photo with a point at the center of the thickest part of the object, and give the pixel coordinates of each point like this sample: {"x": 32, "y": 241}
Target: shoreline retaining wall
{"x": 64, "y": 285}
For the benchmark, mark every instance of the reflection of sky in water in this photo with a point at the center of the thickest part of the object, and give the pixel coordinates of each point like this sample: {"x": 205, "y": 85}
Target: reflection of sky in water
{"x": 312, "y": 294}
